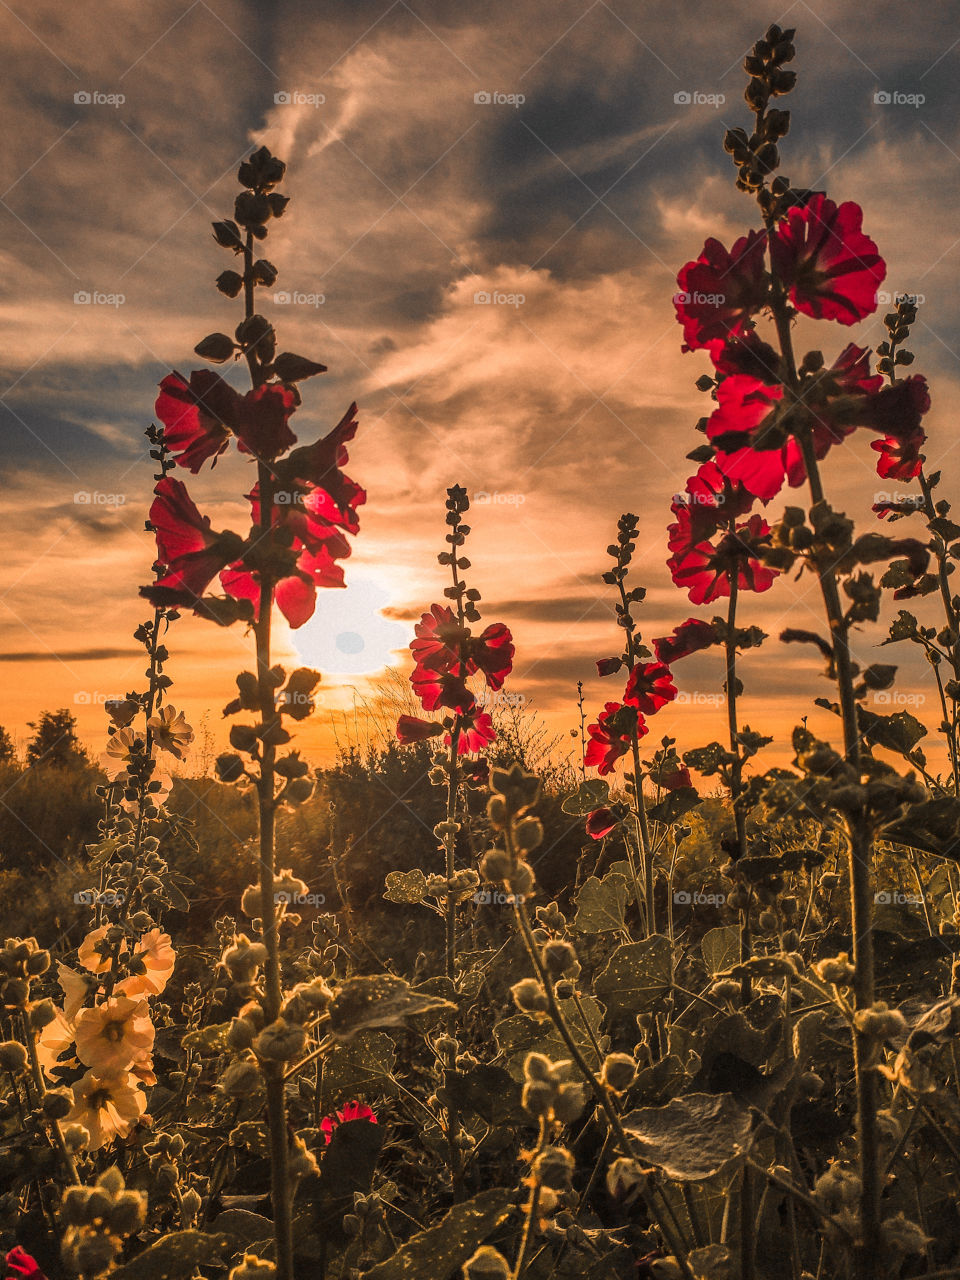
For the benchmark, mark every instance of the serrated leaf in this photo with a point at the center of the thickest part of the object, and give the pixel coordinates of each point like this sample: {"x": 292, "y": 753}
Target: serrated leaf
{"x": 637, "y": 976}
{"x": 357, "y": 1068}
{"x": 590, "y": 795}
{"x": 406, "y": 886}
{"x": 208, "y": 1041}
{"x": 174, "y": 1257}
{"x": 933, "y": 826}
{"x": 601, "y": 904}
{"x": 443, "y": 1249}
{"x": 377, "y": 1000}
{"x": 720, "y": 948}
{"x": 521, "y": 1033}
{"x": 674, "y": 805}
{"x": 691, "y": 1138}
{"x": 898, "y": 732}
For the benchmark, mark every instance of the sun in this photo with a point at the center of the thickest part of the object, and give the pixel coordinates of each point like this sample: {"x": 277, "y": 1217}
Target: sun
{"x": 348, "y": 634}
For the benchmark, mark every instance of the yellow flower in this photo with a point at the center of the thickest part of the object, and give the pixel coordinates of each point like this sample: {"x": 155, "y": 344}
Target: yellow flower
{"x": 56, "y": 1037}
{"x": 170, "y": 731}
{"x": 107, "y": 1104}
{"x": 158, "y": 957}
{"x": 89, "y": 957}
{"x": 114, "y": 1035}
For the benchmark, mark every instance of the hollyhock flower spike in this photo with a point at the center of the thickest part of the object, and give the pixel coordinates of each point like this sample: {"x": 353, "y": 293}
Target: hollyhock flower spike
{"x": 610, "y": 737}
{"x": 721, "y": 291}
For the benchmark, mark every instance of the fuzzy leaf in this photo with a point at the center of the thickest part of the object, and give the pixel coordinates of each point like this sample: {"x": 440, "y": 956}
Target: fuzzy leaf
{"x": 637, "y": 977}
{"x": 442, "y": 1250}
{"x": 377, "y": 1000}
{"x": 601, "y": 903}
{"x": 590, "y": 795}
{"x": 692, "y": 1137}
{"x": 720, "y": 948}
{"x": 174, "y": 1256}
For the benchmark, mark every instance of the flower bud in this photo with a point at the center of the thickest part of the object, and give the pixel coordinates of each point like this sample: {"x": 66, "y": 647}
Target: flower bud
{"x": 553, "y": 1168}
{"x": 529, "y": 996}
{"x": 486, "y": 1264}
{"x": 240, "y": 1080}
{"x": 13, "y": 1057}
{"x": 619, "y": 1071}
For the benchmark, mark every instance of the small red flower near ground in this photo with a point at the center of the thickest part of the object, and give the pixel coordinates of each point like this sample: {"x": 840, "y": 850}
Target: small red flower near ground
{"x": 649, "y": 687}
{"x": 21, "y": 1266}
{"x": 674, "y": 781}
{"x": 721, "y": 291}
{"x": 832, "y": 271}
{"x": 352, "y": 1111}
{"x": 611, "y": 736}
{"x": 600, "y": 823}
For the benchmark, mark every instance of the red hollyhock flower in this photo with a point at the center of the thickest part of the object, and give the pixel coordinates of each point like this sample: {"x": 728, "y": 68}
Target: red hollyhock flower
{"x": 611, "y": 736}
{"x": 446, "y": 690}
{"x": 721, "y": 291}
{"x": 831, "y": 269}
{"x": 410, "y": 729}
{"x": 191, "y": 434}
{"x": 749, "y": 355}
{"x": 476, "y": 732}
{"x": 689, "y": 637}
{"x": 649, "y": 687}
{"x": 600, "y": 823}
{"x": 899, "y": 459}
{"x": 705, "y": 570}
{"x": 710, "y": 501}
{"x": 201, "y": 412}
{"x": 745, "y": 428}
{"x": 896, "y": 411}
{"x": 352, "y": 1111}
{"x": 314, "y": 505}
{"x": 608, "y": 666}
{"x": 191, "y": 553}
{"x": 20, "y": 1264}
{"x": 441, "y": 644}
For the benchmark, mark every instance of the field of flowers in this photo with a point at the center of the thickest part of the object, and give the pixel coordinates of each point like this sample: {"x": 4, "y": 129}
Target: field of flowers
{"x": 672, "y": 1014}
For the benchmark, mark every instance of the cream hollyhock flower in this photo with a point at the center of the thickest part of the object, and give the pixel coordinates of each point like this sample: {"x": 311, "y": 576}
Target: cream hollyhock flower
{"x": 114, "y": 1035}
{"x": 158, "y": 958}
{"x": 107, "y": 1104}
{"x": 75, "y": 988}
{"x": 89, "y": 957}
{"x": 170, "y": 731}
{"x": 119, "y": 750}
{"x": 55, "y": 1038}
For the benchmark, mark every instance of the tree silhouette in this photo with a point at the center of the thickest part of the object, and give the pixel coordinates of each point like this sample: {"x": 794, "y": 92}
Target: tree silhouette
{"x": 55, "y": 740}
{"x": 8, "y": 751}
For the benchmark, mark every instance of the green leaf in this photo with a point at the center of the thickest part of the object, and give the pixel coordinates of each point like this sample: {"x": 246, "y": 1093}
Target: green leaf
{"x": 674, "y": 805}
{"x": 898, "y": 732}
{"x": 637, "y": 977}
{"x": 208, "y": 1041}
{"x": 521, "y": 1033}
{"x": 406, "y": 886}
{"x": 377, "y": 1000}
{"x": 706, "y": 760}
{"x": 720, "y": 948}
{"x": 360, "y": 1067}
{"x": 933, "y": 826}
{"x": 692, "y": 1137}
{"x": 590, "y": 795}
{"x": 601, "y": 903}
{"x": 440, "y": 1251}
{"x": 174, "y": 1256}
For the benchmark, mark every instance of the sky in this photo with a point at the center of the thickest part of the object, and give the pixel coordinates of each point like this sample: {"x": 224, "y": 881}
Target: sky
{"x": 489, "y": 206}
